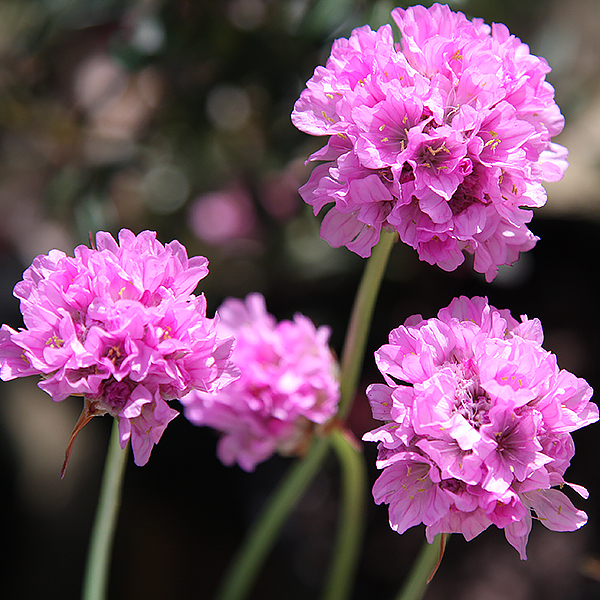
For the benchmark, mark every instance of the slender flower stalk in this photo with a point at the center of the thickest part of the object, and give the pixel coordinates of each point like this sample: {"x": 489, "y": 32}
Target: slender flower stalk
{"x": 360, "y": 321}
{"x": 261, "y": 537}
{"x": 240, "y": 577}
{"x": 95, "y": 581}
{"x": 352, "y": 522}
{"x": 423, "y": 569}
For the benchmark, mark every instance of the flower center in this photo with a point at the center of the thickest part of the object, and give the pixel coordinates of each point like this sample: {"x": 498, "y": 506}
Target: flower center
{"x": 115, "y": 355}
{"x": 385, "y": 175}
{"x": 433, "y": 156}
{"x": 471, "y": 401}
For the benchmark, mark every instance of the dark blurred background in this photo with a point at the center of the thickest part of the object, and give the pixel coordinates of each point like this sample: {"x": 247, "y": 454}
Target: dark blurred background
{"x": 174, "y": 116}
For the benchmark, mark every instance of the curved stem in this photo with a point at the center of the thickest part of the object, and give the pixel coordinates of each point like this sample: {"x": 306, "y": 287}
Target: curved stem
{"x": 95, "y": 581}
{"x": 360, "y": 321}
{"x": 352, "y": 522}
{"x": 424, "y": 568}
{"x": 259, "y": 540}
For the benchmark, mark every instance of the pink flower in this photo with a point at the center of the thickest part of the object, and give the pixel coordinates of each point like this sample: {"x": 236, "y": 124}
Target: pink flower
{"x": 119, "y": 326}
{"x": 222, "y": 216}
{"x": 478, "y": 422}
{"x": 288, "y": 384}
{"x": 444, "y": 138}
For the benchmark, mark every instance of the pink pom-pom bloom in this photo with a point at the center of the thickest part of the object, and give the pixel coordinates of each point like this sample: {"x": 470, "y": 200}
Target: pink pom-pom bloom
{"x": 443, "y": 138}
{"x": 478, "y": 423}
{"x": 288, "y": 385}
{"x": 119, "y": 326}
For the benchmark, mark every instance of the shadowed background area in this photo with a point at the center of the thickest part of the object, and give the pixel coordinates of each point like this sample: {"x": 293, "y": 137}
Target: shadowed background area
{"x": 174, "y": 116}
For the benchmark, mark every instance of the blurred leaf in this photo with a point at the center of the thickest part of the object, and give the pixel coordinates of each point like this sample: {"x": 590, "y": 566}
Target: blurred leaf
{"x": 327, "y": 16}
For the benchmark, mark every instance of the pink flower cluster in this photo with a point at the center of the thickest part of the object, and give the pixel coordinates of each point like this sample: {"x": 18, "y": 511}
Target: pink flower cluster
{"x": 288, "y": 383}
{"x": 119, "y": 326}
{"x": 478, "y": 422}
{"x": 442, "y": 138}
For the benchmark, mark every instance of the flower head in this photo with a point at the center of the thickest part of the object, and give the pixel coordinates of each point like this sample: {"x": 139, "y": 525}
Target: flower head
{"x": 478, "y": 425}
{"x": 288, "y": 383}
{"x": 445, "y": 138}
{"x": 119, "y": 326}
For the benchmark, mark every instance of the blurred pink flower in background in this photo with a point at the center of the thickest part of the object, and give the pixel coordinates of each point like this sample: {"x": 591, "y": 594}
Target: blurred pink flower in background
{"x": 288, "y": 383}
{"x": 443, "y": 138}
{"x": 478, "y": 425}
{"x": 278, "y": 193}
{"x": 222, "y": 216}
{"x": 119, "y": 326}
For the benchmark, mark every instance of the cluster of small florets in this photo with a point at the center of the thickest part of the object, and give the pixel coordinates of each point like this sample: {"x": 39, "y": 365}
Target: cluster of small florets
{"x": 288, "y": 383}
{"x": 119, "y": 326}
{"x": 478, "y": 426}
{"x": 443, "y": 138}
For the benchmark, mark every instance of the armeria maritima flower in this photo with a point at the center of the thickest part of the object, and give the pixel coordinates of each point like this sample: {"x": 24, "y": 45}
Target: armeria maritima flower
{"x": 444, "y": 138}
{"x": 288, "y": 383}
{"x": 119, "y": 326}
{"x": 478, "y": 425}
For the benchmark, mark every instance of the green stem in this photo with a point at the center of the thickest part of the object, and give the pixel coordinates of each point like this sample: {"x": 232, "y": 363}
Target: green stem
{"x": 352, "y": 524}
{"x": 354, "y": 476}
{"x": 423, "y": 569}
{"x": 360, "y": 321}
{"x": 95, "y": 581}
{"x": 244, "y": 569}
